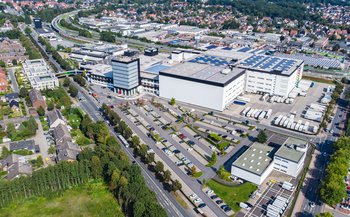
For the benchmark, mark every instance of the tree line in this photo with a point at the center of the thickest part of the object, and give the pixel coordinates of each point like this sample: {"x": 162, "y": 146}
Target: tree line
{"x": 333, "y": 188}
{"x": 81, "y": 32}
{"x": 50, "y": 49}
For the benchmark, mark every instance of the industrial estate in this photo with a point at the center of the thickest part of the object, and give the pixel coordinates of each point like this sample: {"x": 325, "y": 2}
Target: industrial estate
{"x": 133, "y": 110}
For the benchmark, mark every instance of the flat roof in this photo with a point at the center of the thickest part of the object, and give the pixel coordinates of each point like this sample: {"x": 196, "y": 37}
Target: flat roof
{"x": 270, "y": 64}
{"x": 256, "y": 159}
{"x": 197, "y": 71}
{"x": 288, "y": 149}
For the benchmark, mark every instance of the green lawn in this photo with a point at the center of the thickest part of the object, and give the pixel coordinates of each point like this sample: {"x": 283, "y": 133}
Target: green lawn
{"x": 92, "y": 199}
{"x": 232, "y": 195}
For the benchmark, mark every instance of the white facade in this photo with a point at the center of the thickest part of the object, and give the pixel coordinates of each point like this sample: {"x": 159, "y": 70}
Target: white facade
{"x": 288, "y": 167}
{"x": 273, "y": 84}
{"x": 251, "y": 177}
{"x": 39, "y": 74}
{"x": 126, "y": 75}
{"x": 200, "y": 93}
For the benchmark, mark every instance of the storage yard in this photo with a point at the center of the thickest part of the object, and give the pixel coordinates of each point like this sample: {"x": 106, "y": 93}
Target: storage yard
{"x": 302, "y": 112}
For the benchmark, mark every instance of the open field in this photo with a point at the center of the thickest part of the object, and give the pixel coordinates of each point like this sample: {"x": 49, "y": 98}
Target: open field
{"x": 92, "y": 199}
{"x": 232, "y": 195}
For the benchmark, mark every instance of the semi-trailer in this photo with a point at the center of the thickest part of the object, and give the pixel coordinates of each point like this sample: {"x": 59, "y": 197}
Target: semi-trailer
{"x": 278, "y": 119}
{"x": 301, "y": 128}
{"x": 283, "y": 120}
{"x": 282, "y": 198}
{"x": 256, "y": 115}
{"x": 262, "y": 115}
{"x": 268, "y": 114}
{"x": 250, "y": 112}
{"x": 293, "y": 125}
{"x": 271, "y": 213}
{"x": 274, "y": 208}
{"x": 245, "y": 111}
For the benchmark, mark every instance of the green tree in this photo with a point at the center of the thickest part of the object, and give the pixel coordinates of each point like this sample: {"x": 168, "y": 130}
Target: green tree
{"x": 159, "y": 168}
{"x": 4, "y": 152}
{"x": 14, "y": 62}
{"x": 176, "y": 185}
{"x": 167, "y": 176}
{"x": 51, "y": 150}
{"x": 325, "y": 214}
{"x": 2, "y": 64}
{"x": 66, "y": 82}
{"x": 193, "y": 170}
{"x": 80, "y": 80}
{"x": 213, "y": 158}
{"x": 172, "y": 101}
{"x": 50, "y": 105}
{"x": 262, "y": 137}
{"x": 73, "y": 91}
{"x": 96, "y": 167}
{"x": 41, "y": 111}
{"x": 23, "y": 92}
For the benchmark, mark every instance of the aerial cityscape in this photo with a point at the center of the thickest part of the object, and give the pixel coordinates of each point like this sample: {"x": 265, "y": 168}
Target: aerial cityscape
{"x": 188, "y": 108}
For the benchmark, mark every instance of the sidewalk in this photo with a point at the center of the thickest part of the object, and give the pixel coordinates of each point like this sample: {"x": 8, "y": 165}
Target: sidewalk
{"x": 301, "y": 197}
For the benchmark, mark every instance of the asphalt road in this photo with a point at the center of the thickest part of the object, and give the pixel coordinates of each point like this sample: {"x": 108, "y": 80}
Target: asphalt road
{"x": 11, "y": 73}
{"x": 324, "y": 145}
{"x": 91, "y": 107}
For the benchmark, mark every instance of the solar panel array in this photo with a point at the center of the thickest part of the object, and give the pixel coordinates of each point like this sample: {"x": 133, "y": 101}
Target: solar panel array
{"x": 268, "y": 63}
{"x": 210, "y": 60}
{"x": 315, "y": 62}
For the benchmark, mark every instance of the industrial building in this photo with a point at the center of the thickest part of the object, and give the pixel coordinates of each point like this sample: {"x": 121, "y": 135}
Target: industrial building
{"x": 39, "y": 74}
{"x": 259, "y": 160}
{"x": 214, "y": 79}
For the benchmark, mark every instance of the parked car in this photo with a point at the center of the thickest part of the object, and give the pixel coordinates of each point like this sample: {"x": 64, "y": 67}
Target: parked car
{"x": 219, "y": 202}
{"x": 209, "y": 192}
{"x": 213, "y": 197}
{"x": 202, "y": 205}
{"x": 193, "y": 196}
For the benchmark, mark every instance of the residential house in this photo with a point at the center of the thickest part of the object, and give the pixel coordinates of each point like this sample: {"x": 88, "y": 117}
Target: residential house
{"x": 25, "y": 144}
{"x": 16, "y": 165}
{"x": 37, "y": 99}
{"x": 66, "y": 149}
{"x": 55, "y": 118}
{"x": 3, "y": 81}
{"x": 11, "y": 96}
{"x": 12, "y": 50}
{"x": 14, "y": 105}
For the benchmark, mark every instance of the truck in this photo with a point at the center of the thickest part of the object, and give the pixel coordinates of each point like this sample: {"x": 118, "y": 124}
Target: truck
{"x": 280, "y": 205}
{"x": 290, "y": 123}
{"x": 286, "y": 122}
{"x": 265, "y": 97}
{"x": 278, "y": 119}
{"x": 318, "y": 107}
{"x": 245, "y": 111}
{"x": 244, "y": 206}
{"x": 268, "y": 114}
{"x": 272, "y": 99}
{"x": 262, "y": 115}
{"x": 254, "y": 112}
{"x": 271, "y": 213}
{"x": 293, "y": 125}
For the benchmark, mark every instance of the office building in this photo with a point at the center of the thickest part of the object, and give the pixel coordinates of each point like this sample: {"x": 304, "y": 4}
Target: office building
{"x": 259, "y": 160}
{"x": 126, "y": 74}
{"x": 37, "y": 23}
{"x": 39, "y": 74}
{"x": 100, "y": 74}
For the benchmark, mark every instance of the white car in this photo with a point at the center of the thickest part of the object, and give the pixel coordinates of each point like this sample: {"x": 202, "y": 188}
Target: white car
{"x": 193, "y": 196}
{"x": 209, "y": 192}
{"x": 198, "y": 200}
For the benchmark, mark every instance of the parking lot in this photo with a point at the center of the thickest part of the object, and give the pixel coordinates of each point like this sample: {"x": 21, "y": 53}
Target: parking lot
{"x": 298, "y": 107}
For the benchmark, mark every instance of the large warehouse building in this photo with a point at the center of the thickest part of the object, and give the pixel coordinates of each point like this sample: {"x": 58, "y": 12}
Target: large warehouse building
{"x": 214, "y": 81}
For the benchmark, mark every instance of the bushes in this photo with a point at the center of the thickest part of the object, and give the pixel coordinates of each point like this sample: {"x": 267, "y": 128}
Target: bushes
{"x": 26, "y": 129}
{"x": 215, "y": 137}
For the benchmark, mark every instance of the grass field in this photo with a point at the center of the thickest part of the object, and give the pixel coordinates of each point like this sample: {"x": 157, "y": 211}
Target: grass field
{"x": 92, "y": 199}
{"x": 232, "y": 195}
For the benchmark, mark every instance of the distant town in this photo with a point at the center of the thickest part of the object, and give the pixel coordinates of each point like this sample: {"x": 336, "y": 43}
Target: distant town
{"x": 174, "y": 108}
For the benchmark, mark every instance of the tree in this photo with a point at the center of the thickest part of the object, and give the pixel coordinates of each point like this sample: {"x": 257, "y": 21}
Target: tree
{"x": 107, "y": 36}
{"x": 14, "y": 62}
{"x": 73, "y": 91}
{"x": 4, "y": 152}
{"x": 213, "y": 158}
{"x": 150, "y": 158}
{"x": 262, "y": 137}
{"x": 41, "y": 111}
{"x": 80, "y": 80}
{"x": 172, "y": 101}
{"x": 2, "y": 64}
{"x": 344, "y": 80}
{"x": 325, "y": 214}
{"x": 336, "y": 47}
{"x": 176, "y": 185}
{"x": 193, "y": 170}
{"x": 51, "y": 150}
{"x": 159, "y": 168}
{"x": 28, "y": 31}
{"x": 96, "y": 167}
{"x": 23, "y": 92}
{"x": 167, "y": 176}
{"x": 50, "y": 105}
{"x": 66, "y": 82}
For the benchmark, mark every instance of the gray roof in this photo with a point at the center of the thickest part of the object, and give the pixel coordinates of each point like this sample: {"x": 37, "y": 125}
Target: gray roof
{"x": 67, "y": 151}
{"x": 255, "y": 159}
{"x": 25, "y": 144}
{"x": 196, "y": 71}
{"x": 60, "y": 132}
{"x": 288, "y": 149}
{"x": 54, "y": 115}
{"x": 16, "y": 165}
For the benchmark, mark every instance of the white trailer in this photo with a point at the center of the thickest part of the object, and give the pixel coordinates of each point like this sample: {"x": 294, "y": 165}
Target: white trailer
{"x": 262, "y": 115}
{"x": 283, "y": 120}
{"x": 282, "y": 199}
{"x": 265, "y": 97}
{"x": 301, "y": 128}
{"x": 315, "y": 129}
{"x": 271, "y": 213}
{"x": 318, "y": 107}
{"x": 278, "y": 119}
{"x": 297, "y": 126}
{"x": 257, "y": 113}
{"x": 250, "y": 112}
{"x": 285, "y": 124}
{"x": 272, "y": 99}
{"x": 268, "y": 114}
{"x": 279, "y": 204}
{"x": 245, "y": 111}
{"x": 290, "y": 124}
{"x": 293, "y": 125}
{"x": 242, "y": 98}
{"x": 274, "y": 208}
